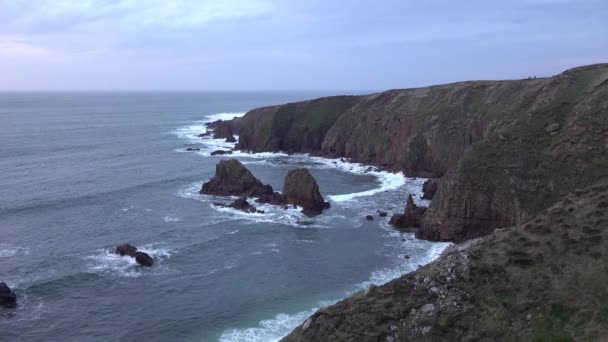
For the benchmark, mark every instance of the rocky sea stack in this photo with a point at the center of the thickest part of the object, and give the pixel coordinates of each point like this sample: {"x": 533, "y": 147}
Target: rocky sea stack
{"x": 233, "y": 179}
{"x": 300, "y": 188}
{"x": 411, "y": 216}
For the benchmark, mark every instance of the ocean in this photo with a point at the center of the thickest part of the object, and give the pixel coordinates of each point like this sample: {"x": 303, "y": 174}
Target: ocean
{"x": 83, "y": 172}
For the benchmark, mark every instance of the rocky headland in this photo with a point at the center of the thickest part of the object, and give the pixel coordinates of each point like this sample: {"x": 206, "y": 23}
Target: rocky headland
{"x": 520, "y": 168}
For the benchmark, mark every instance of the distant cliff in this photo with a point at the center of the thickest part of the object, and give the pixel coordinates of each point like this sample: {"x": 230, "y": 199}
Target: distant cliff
{"x": 505, "y": 150}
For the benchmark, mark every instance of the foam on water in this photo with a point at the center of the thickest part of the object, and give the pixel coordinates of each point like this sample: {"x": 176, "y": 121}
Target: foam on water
{"x": 107, "y": 262}
{"x": 170, "y": 219}
{"x": 7, "y": 251}
{"x": 191, "y": 133}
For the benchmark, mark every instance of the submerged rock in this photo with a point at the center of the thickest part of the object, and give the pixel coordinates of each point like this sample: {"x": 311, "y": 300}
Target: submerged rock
{"x": 429, "y": 188}
{"x": 411, "y": 216}
{"x": 382, "y": 214}
{"x": 369, "y": 217}
{"x": 8, "y": 298}
{"x": 144, "y": 259}
{"x": 126, "y": 249}
{"x": 233, "y": 179}
{"x": 193, "y": 149}
{"x": 300, "y": 188}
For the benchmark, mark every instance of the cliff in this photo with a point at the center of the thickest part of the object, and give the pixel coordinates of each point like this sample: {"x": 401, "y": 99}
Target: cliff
{"x": 544, "y": 280}
{"x": 505, "y": 150}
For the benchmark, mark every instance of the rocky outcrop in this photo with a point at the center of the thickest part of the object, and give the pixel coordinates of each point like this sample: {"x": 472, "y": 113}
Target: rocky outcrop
{"x": 126, "y": 249}
{"x": 143, "y": 259}
{"x": 241, "y": 204}
{"x": 411, "y": 216}
{"x": 221, "y": 129}
{"x": 543, "y": 280}
{"x": 8, "y": 298}
{"x": 505, "y": 150}
{"x": 140, "y": 257}
{"x": 300, "y": 188}
{"x": 233, "y": 179}
{"x": 220, "y": 152}
{"x": 429, "y": 188}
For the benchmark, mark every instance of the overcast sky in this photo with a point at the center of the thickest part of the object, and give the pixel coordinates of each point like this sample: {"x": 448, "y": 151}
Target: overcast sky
{"x": 286, "y": 44}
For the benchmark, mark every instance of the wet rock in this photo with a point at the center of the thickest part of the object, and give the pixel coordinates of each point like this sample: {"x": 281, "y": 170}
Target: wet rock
{"x": 220, "y": 152}
{"x": 126, "y": 249}
{"x": 300, "y": 188}
{"x": 369, "y": 217}
{"x": 192, "y": 149}
{"x": 382, "y": 214}
{"x": 144, "y": 259}
{"x": 233, "y": 179}
{"x": 275, "y": 199}
{"x": 429, "y": 188}
{"x": 426, "y": 308}
{"x": 230, "y": 139}
{"x": 411, "y": 217}
{"x": 8, "y": 298}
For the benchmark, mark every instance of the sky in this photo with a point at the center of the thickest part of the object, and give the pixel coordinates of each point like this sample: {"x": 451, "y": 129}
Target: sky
{"x": 291, "y": 45}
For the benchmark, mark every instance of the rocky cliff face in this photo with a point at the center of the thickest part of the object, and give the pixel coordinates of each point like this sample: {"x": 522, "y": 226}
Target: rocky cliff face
{"x": 505, "y": 149}
{"x": 544, "y": 280}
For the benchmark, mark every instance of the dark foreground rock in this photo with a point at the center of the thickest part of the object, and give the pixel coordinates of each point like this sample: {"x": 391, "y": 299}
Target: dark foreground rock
{"x": 8, "y": 299}
{"x": 411, "y": 217}
{"x": 233, "y": 179}
{"x": 543, "y": 280}
{"x": 143, "y": 259}
{"x": 126, "y": 249}
{"x": 429, "y": 188}
{"x": 300, "y": 188}
{"x": 140, "y": 257}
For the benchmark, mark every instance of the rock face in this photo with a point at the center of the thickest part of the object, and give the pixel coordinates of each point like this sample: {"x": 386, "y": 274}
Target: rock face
{"x": 542, "y": 280}
{"x": 506, "y": 150}
{"x": 411, "y": 216}
{"x": 8, "y": 299}
{"x": 221, "y": 129}
{"x": 300, "y": 188}
{"x": 233, "y": 179}
{"x": 429, "y": 188}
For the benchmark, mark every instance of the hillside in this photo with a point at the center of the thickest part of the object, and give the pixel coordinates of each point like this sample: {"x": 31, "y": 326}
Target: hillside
{"x": 506, "y": 150}
{"x": 544, "y": 280}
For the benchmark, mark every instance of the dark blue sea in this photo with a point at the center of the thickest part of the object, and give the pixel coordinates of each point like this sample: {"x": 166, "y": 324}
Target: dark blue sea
{"x": 84, "y": 172}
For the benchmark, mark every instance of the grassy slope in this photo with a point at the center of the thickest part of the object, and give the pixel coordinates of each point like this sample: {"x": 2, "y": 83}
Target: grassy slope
{"x": 544, "y": 280}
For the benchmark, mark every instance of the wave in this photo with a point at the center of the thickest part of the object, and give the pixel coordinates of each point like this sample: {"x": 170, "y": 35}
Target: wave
{"x": 207, "y": 144}
{"x": 105, "y": 261}
{"x": 7, "y": 251}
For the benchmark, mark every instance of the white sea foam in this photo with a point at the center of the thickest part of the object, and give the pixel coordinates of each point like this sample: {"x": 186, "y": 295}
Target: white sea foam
{"x": 7, "y": 251}
{"x": 106, "y": 261}
{"x": 170, "y": 219}
{"x": 207, "y": 144}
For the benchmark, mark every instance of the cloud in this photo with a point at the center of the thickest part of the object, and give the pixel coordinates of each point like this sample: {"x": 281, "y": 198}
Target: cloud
{"x": 13, "y": 48}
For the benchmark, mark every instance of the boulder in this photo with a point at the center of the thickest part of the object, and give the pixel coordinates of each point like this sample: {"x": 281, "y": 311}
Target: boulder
{"x": 143, "y": 259}
{"x": 411, "y": 217}
{"x": 300, "y": 188}
{"x": 274, "y": 199}
{"x": 429, "y": 188}
{"x": 369, "y": 217}
{"x": 126, "y": 249}
{"x": 233, "y": 179}
{"x": 220, "y": 152}
{"x": 8, "y": 299}
{"x": 382, "y": 214}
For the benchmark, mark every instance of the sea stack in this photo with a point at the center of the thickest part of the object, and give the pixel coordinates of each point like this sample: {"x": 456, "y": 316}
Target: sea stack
{"x": 411, "y": 216}
{"x": 300, "y": 188}
{"x": 233, "y": 179}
